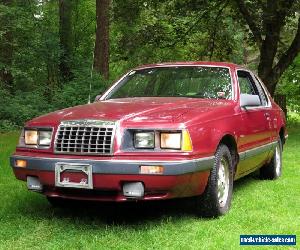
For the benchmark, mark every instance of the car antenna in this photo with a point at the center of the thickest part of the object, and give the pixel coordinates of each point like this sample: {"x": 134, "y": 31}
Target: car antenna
{"x": 92, "y": 69}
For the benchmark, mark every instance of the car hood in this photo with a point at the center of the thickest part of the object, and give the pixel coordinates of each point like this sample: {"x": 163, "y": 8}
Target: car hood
{"x": 158, "y": 109}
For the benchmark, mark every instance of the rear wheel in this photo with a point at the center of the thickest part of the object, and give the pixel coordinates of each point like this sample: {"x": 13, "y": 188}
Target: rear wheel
{"x": 216, "y": 198}
{"x": 273, "y": 169}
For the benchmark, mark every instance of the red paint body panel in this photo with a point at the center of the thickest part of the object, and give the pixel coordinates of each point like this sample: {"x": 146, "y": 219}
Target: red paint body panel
{"x": 157, "y": 187}
{"x": 207, "y": 121}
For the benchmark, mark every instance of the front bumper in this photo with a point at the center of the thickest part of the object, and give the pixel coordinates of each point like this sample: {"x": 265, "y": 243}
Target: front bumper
{"x": 181, "y": 178}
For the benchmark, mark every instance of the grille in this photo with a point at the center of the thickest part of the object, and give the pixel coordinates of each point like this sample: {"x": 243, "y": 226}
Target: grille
{"x": 85, "y": 137}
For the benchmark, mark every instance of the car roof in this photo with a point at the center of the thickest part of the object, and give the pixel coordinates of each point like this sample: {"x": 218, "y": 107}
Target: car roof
{"x": 191, "y": 63}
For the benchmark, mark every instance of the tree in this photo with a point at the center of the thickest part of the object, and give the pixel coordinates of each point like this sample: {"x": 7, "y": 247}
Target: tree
{"x": 101, "y": 50}
{"x": 65, "y": 33}
{"x": 6, "y": 46}
{"x": 266, "y": 20}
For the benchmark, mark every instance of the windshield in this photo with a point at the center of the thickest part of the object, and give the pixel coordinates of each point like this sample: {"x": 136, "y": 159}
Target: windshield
{"x": 195, "y": 82}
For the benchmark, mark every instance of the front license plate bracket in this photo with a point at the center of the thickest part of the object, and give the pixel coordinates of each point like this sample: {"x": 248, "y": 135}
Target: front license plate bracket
{"x": 73, "y": 175}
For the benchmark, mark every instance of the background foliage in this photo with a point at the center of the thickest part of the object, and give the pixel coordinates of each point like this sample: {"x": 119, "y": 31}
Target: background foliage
{"x": 141, "y": 32}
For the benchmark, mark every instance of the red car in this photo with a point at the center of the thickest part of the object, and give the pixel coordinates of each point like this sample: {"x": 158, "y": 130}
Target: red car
{"x": 162, "y": 131}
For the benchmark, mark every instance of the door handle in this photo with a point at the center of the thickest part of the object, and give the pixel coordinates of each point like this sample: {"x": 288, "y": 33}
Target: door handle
{"x": 267, "y": 115}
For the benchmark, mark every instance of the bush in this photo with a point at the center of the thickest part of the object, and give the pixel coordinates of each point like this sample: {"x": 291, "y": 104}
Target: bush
{"x": 289, "y": 85}
{"x": 77, "y": 91}
{"x": 293, "y": 119}
{"x": 23, "y": 106}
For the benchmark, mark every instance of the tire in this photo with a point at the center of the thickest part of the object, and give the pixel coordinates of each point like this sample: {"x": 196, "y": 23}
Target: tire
{"x": 273, "y": 169}
{"x": 216, "y": 199}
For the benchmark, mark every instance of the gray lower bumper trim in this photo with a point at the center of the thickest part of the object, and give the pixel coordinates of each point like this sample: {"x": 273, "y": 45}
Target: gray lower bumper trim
{"x": 119, "y": 167}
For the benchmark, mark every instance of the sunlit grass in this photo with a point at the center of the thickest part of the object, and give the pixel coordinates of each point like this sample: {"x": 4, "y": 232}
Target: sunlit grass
{"x": 258, "y": 207}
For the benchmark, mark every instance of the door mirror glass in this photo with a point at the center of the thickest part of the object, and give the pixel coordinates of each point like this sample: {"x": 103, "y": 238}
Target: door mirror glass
{"x": 248, "y": 100}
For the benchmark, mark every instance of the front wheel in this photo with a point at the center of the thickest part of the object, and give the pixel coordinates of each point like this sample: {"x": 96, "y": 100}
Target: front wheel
{"x": 273, "y": 169}
{"x": 216, "y": 199}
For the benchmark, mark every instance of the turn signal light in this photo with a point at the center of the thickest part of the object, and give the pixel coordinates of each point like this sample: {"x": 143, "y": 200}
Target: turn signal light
{"x": 186, "y": 141}
{"x": 151, "y": 169}
{"x": 21, "y": 163}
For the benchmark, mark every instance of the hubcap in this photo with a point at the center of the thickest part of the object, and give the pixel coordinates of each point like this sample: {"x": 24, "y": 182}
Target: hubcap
{"x": 277, "y": 160}
{"x": 223, "y": 182}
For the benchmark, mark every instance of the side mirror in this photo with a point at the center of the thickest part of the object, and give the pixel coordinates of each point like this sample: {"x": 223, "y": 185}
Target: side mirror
{"x": 247, "y": 100}
{"x": 97, "y": 98}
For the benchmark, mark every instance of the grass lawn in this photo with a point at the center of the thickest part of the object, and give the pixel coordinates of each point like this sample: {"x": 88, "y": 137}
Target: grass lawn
{"x": 258, "y": 207}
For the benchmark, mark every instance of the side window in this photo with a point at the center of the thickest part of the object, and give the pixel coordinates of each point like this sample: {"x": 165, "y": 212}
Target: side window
{"x": 261, "y": 91}
{"x": 247, "y": 85}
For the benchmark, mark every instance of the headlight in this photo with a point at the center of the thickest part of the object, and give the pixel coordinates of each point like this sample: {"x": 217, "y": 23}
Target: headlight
{"x": 36, "y": 137}
{"x": 170, "y": 140}
{"x": 160, "y": 140}
{"x": 176, "y": 140}
{"x": 31, "y": 137}
{"x": 144, "y": 140}
{"x": 45, "y": 138}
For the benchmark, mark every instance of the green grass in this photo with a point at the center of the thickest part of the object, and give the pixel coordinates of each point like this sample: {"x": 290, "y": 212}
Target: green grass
{"x": 258, "y": 207}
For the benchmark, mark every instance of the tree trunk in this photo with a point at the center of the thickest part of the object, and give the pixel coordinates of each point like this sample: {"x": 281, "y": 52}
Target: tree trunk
{"x": 6, "y": 49}
{"x": 101, "y": 50}
{"x": 65, "y": 33}
{"x": 273, "y": 24}
{"x": 271, "y": 76}
{"x": 273, "y": 20}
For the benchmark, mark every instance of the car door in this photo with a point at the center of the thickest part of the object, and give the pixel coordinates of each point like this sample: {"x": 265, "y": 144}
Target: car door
{"x": 255, "y": 128}
{"x": 272, "y": 115}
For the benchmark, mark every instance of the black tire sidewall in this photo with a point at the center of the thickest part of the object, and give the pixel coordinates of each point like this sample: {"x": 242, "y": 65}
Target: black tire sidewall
{"x": 268, "y": 171}
{"x": 207, "y": 204}
{"x": 221, "y": 152}
{"x": 276, "y": 176}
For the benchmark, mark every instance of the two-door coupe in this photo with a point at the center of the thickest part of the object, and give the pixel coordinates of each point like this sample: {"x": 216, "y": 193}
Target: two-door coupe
{"x": 162, "y": 131}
